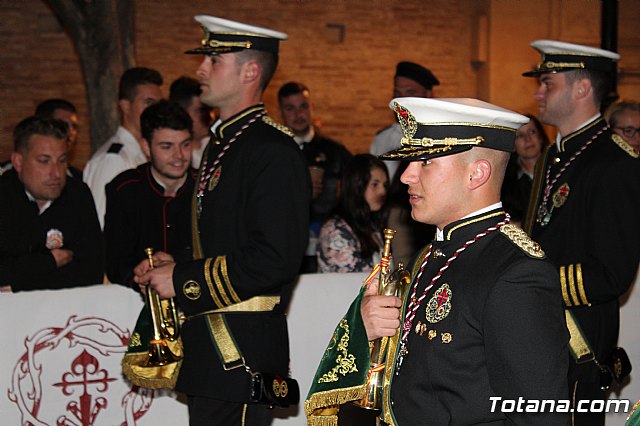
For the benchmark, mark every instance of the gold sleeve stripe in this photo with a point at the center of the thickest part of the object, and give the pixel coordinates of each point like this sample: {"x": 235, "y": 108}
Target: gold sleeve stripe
{"x": 207, "y": 276}
{"x": 227, "y": 280}
{"x": 572, "y": 286}
{"x": 563, "y": 286}
{"x": 583, "y": 294}
{"x": 218, "y": 281}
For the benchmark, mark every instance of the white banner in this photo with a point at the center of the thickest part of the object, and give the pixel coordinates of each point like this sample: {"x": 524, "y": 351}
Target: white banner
{"x": 61, "y": 351}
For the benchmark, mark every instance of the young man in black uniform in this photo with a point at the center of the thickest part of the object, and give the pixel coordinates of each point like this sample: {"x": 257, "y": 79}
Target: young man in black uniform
{"x": 250, "y": 225}
{"x": 481, "y": 322}
{"x": 150, "y": 206}
{"x": 585, "y": 211}
{"x": 50, "y": 237}
{"x": 325, "y": 157}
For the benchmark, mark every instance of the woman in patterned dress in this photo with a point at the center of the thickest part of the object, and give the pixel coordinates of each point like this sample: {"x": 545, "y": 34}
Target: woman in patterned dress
{"x": 351, "y": 240}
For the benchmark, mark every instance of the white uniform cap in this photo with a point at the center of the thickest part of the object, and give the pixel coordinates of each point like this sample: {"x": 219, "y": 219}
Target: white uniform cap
{"x": 224, "y": 36}
{"x": 435, "y": 127}
{"x": 558, "y": 56}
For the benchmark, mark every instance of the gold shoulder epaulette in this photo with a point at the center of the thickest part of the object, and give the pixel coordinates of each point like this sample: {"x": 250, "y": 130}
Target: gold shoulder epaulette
{"x": 271, "y": 122}
{"x": 624, "y": 145}
{"x": 522, "y": 240}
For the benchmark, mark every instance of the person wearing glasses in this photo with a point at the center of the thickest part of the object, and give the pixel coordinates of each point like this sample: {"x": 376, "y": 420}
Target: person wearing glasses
{"x": 624, "y": 119}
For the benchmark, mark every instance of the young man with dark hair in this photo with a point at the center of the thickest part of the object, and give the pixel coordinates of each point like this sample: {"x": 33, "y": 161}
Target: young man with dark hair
{"x": 139, "y": 88}
{"x": 49, "y": 233}
{"x": 480, "y": 322}
{"x": 250, "y": 223}
{"x": 150, "y": 206}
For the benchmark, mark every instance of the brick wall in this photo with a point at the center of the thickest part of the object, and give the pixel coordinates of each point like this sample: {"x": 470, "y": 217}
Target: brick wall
{"x": 345, "y": 51}
{"x": 350, "y": 78}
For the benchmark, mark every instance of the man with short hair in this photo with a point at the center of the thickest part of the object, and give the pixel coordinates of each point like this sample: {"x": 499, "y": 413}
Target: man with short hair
{"x": 150, "y": 206}
{"x": 250, "y": 220}
{"x": 325, "y": 157}
{"x": 186, "y": 91}
{"x": 411, "y": 80}
{"x": 584, "y": 209}
{"x": 624, "y": 120}
{"x": 62, "y": 109}
{"x": 481, "y": 317}
{"x": 139, "y": 88}
{"x": 49, "y": 233}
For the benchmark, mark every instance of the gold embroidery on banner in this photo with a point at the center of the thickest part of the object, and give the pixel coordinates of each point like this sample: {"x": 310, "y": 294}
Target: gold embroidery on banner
{"x": 346, "y": 362}
{"x": 432, "y": 334}
{"x": 207, "y": 276}
{"x": 472, "y": 221}
{"x": 583, "y": 294}
{"x": 218, "y": 281}
{"x": 271, "y": 122}
{"x": 522, "y": 240}
{"x": 624, "y": 145}
{"x": 225, "y": 277}
{"x": 563, "y": 286}
{"x": 633, "y": 410}
{"x": 446, "y": 337}
{"x": 135, "y": 340}
{"x": 572, "y": 286}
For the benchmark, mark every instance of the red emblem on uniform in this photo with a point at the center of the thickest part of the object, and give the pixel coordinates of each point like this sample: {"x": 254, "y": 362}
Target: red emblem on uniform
{"x": 439, "y": 305}
{"x": 406, "y": 119}
{"x": 561, "y": 195}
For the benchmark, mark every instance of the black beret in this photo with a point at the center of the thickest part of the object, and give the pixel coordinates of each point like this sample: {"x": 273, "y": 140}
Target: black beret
{"x": 417, "y": 73}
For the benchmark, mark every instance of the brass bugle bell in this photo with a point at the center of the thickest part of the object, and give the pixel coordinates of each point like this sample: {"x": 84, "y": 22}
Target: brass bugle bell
{"x": 165, "y": 322}
{"x": 391, "y": 283}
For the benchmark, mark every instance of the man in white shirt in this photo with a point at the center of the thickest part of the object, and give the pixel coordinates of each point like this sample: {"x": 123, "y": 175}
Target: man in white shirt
{"x": 139, "y": 88}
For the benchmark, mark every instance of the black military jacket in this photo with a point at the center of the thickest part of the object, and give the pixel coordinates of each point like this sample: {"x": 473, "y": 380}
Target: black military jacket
{"x": 492, "y": 325}
{"x": 139, "y": 215}
{"x": 592, "y": 234}
{"x": 252, "y": 231}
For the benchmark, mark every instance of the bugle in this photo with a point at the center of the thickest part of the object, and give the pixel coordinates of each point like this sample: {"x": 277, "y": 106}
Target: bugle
{"x": 164, "y": 329}
{"x": 390, "y": 283}
{"x": 154, "y": 354}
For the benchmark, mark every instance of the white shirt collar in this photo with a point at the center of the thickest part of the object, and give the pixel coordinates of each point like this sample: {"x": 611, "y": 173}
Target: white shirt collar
{"x": 306, "y": 138}
{"x": 33, "y": 199}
